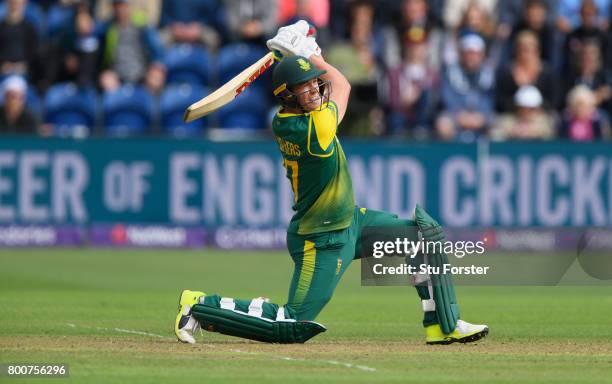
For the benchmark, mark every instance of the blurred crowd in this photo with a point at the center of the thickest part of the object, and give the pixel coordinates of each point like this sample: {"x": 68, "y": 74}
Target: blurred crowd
{"x": 454, "y": 70}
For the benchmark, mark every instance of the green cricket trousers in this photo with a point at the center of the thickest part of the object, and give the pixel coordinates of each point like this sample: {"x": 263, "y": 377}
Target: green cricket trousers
{"x": 322, "y": 258}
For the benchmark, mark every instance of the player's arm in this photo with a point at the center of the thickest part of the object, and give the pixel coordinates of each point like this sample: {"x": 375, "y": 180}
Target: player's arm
{"x": 298, "y": 39}
{"x": 341, "y": 88}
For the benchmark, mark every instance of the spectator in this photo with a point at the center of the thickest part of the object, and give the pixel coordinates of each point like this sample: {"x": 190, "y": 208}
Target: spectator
{"x": 356, "y": 59}
{"x": 569, "y": 14}
{"x": 338, "y": 30}
{"x": 608, "y": 54}
{"x": 14, "y": 116}
{"x": 60, "y": 15}
{"x": 467, "y": 93}
{"x": 534, "y": 19}
{"x": 478, "y": 20}
{"x": 192, "y": 22}
{"x": 590, "y": 72}
{"x": 408, "y": 91}
{"x": 251, "y": 21}
{"x": 19, "y": 42}
{"x": 132, "y": 54}
{"x": 528, "y": 122}
{"x": 511, "y": 12}
{"x": 355, "y": 56}
{"x": 455, "y": 10}
{"x": 387, "y": 10}
{"x": 589, "y": 29}
{"x": 581, "y": 120}
{"x": 78, "y": 50}
{"x": 144, "y": 12}
{"x": 475, "y": 20}
{"x": 526, "y": 68}
{"x": 411, "y": 19}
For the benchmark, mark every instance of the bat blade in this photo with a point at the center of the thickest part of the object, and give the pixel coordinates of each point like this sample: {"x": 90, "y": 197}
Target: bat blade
{"x": 228, "y": 91}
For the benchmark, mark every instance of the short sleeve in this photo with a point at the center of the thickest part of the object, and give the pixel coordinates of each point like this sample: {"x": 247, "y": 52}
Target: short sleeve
{"x": 325, "y": 124}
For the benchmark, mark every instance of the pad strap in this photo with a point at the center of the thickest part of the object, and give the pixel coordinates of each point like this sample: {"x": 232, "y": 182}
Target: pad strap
{"x": 256, "y": 307}
{"x": 429, "y": 305}
{"x": 227, "y": 303}
{"x": 419, "y": 278}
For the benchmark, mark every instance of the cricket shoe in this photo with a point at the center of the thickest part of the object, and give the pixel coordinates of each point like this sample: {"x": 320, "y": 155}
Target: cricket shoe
{"x": 463, "y": 333}
{"x": 185, "y": 324}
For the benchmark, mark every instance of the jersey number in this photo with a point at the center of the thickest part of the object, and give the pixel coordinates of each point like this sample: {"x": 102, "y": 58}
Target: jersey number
{"x": 294, "y": 176}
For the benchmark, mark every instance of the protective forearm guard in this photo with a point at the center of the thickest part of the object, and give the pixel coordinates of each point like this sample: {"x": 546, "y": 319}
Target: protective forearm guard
{"x": 444, "y": 300}
{"x": 255, "y": 320}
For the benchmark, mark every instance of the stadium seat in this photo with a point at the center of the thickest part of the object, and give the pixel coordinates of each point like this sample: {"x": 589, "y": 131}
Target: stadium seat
{"x": 188, "y": 64}
{"x": 33, "y": 101}
{"x": 247, "y": 111}
{"x": 234, "y": 58}
{"x": 127, "y": 111}
{"x": 70, "y": 109}
{"x": 172, "y": 104}
{"x": 58, "y": 17}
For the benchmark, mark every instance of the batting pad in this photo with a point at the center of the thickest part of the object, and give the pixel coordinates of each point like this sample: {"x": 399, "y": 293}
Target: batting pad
{"x": 440, "y": 285}
{"x": 257, "y": 320}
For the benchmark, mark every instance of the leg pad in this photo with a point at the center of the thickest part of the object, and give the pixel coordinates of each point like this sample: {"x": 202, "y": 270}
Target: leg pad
{"x": 234, "y": 322}
{"x": 440, "y": 285}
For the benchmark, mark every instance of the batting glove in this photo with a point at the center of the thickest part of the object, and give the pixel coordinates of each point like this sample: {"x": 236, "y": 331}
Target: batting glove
{"x": 296, "y": 39}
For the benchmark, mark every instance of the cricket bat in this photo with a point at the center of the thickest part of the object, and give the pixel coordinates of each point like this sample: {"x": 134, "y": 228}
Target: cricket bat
{"x": 228, "y": 91}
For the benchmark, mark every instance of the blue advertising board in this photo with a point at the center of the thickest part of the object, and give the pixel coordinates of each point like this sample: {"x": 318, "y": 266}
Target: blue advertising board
{"x": 242, "y": 184}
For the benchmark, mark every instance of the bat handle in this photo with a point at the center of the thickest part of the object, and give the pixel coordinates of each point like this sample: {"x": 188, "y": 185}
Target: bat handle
{"x": 312, "y": 31}
{"x": 278, "y": 56}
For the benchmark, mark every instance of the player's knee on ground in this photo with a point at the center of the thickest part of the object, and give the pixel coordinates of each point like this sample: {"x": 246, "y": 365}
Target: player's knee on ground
{"x": 310, "y": 309}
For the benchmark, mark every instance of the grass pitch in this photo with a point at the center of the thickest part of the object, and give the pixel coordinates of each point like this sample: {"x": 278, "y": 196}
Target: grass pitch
{"x": 109, "y": 315}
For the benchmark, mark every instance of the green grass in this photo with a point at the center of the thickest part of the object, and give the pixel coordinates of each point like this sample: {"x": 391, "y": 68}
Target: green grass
{"x": 77, "y": 305}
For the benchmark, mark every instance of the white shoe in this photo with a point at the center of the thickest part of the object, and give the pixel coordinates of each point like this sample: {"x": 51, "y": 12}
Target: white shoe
{"x": 185, "y": 324}
{"x": 465, "y": 328}
{"x": 464, "y": 333}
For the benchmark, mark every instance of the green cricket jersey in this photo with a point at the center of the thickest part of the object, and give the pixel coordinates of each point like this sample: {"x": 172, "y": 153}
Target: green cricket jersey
{"x": 317, "y": 169}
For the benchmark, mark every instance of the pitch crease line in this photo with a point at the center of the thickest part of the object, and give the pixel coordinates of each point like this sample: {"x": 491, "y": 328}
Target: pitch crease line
{"x": 237, "y": 351}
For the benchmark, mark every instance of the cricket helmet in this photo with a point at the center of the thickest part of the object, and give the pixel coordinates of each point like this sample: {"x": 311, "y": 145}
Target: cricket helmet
{"x": 292, "y": 71}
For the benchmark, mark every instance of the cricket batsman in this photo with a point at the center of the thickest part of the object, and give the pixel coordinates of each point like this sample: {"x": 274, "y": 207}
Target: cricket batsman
{"x": 323, "y": 236}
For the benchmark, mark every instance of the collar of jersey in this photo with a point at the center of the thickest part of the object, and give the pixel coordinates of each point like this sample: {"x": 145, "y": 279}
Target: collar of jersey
{"x": 279, "y": 114}
{"x": 291, "y": 114}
